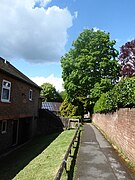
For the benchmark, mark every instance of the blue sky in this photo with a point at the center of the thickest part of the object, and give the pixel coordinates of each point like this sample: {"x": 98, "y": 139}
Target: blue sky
{"x": 36, "y": 33}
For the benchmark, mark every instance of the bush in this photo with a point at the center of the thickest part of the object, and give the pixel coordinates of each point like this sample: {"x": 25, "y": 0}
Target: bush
{"x": 122, "y": 95}
{"x": 126, "y": 92}
{"x": 67, "y": 109}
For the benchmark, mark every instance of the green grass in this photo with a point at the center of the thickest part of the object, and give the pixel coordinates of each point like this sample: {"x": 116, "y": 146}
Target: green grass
{"x": 39, "y": 159}
{"x": 69, "y": 173}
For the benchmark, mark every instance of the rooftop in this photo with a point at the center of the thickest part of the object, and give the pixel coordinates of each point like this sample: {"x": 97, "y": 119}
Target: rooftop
{"x": 51, "y": 106}
{"x": 9, "y": 69}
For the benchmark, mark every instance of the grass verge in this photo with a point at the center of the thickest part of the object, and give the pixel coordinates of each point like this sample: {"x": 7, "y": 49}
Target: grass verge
{"x": 69, "y": 173}
{"x": 39, "y": 159}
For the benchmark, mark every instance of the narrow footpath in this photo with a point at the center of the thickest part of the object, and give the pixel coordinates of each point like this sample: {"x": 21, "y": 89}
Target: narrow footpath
{"x": 97, "y": 159}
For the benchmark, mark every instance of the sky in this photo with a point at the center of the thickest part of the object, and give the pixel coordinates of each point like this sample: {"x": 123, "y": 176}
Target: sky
{"x": 35, "y": 34}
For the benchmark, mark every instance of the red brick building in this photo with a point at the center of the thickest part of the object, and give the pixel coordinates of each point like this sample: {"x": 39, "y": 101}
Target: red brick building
{"x": 19, "y": 104}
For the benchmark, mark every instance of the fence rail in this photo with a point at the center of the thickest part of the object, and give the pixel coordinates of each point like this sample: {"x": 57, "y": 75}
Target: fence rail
{"x": 64, "y": 162}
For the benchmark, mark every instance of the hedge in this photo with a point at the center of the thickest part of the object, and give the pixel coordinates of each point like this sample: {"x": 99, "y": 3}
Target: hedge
{"x": 122, "y": 95}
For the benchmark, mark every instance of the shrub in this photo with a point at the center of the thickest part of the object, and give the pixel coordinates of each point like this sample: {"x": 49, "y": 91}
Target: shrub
{"x": 67, "y": 109}
{"x": 125, "y": 90}
{"x": 122, "y": 95}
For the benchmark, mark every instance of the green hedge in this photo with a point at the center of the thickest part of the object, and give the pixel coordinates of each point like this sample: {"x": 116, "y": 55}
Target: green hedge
{"x": 122, "y": 95}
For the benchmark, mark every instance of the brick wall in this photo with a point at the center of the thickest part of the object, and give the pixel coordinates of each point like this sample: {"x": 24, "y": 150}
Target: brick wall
{"x": 48, "y": 122}
{"x": 19, "y": 108}
{"x": 20, "y": 105}
{"x": 120, "y": 128}
{"x": 6, "y": 139}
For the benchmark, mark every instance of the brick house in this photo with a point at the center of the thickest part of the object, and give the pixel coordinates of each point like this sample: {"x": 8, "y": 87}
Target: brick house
{"x": 19, "y": 104}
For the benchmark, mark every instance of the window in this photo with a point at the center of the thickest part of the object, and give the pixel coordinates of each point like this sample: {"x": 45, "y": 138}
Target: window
{"x": 6, "y": 88}
{"x": 4, "y": 127}
{"x": 30, "y": 95}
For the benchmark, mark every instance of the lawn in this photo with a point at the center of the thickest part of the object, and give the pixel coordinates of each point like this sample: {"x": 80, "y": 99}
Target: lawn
{"x": 39, "y": 159}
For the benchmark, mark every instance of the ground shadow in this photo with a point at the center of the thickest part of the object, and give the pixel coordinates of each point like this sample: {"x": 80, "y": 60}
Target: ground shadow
{"x": 71, "y": 171}
{"x": 14, "y": 162}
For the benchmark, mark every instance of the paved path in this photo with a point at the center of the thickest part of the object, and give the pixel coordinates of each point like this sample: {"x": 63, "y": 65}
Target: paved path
{"x": 97, "y": 159}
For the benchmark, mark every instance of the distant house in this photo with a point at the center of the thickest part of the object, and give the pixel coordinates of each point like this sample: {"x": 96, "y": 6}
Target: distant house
{"x": 52, "y": 106}
{"x": 19, "y": 104}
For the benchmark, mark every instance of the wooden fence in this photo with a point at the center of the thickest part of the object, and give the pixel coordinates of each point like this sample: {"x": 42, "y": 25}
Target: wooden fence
{"x": 64, "y": 162}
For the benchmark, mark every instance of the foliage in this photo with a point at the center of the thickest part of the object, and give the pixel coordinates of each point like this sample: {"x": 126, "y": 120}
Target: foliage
{"x": 122, "y": 95}
{"x": 63, "y": 94}
{"x": 100, "y": 88}
{"x": 49, "y": 93}
{"x": 67, "y": 109}
{"x": 127, "y": 59}
{"x": 91, "y": 60}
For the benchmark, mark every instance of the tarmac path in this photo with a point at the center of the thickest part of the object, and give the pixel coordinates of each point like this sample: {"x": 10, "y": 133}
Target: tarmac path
{"x": 97, "y": 159}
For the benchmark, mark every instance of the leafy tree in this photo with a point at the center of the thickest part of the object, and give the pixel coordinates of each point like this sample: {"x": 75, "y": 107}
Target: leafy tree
{"x": 63, "y": 94}
{"x": 122, "y": 95}
{"x": 127, "y": 59}
{"x": 67, "y": 109}
{"x": 49, "y": 93}
{"x": 92, "y": 59}
{"x": 100, "y": 88}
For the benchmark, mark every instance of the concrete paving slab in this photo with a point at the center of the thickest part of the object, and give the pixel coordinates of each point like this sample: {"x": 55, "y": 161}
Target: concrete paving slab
{"x": 97, "y": 159}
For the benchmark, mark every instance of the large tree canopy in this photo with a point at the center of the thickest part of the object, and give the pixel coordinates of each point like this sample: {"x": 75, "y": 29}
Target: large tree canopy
{"x": 92, "y": 58}
{"x": 49, "y": 93}
{"x": 127, "y": 59}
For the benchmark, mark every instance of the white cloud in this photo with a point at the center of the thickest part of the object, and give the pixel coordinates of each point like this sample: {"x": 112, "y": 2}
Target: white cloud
{"x": 76, "y": 14}
{"x": 95, "y": 29}
{"x": 55, "y": 81}
{"x": 43, "y": 3}
{"x": 37, "y": 34}
{"x": 117, "y": 40}
{"x": 131, "y": 38}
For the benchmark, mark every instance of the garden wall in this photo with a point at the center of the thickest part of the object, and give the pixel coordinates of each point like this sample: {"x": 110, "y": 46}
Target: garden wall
{"x": 48, "y": 122}
{"x": 120, "y": 128}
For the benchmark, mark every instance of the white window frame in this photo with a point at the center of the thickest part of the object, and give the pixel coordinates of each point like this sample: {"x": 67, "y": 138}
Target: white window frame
{"x": 30, "y": 94}
{"x": 6, "y": 88}
{"x": 4, "y": 127}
